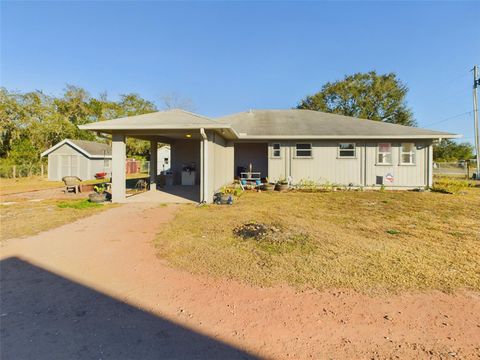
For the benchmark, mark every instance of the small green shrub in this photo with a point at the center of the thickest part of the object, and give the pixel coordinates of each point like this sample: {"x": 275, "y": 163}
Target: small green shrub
{"x": 449, "y": 185}
{"x": 393, "y": 232}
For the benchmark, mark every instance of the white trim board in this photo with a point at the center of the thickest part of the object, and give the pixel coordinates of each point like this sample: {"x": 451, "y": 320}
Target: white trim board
{"x": 76, "y": 147}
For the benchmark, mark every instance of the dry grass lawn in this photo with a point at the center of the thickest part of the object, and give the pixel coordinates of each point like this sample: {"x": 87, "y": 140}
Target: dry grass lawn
{"x": 28, "y": 218}
{"x": 373, "y": 242}
{"x": 13, "y": 186}
{"x": 19, "y": 185}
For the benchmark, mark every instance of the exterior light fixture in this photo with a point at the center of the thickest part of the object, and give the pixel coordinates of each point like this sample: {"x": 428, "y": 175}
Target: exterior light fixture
{"x": 188, "y": 135}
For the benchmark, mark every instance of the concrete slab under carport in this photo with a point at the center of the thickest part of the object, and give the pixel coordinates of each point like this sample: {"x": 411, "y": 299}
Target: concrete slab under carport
{"x": 175, "y": 194}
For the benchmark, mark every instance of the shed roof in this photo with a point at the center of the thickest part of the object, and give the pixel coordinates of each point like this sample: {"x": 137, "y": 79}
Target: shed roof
{"x": 297, "y": 123}
{"x": 90, "y": 149}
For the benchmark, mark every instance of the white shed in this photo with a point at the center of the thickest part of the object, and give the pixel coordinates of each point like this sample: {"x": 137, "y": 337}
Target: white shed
{"x": 80, "y": 158}
{"x": 163, "y": 158}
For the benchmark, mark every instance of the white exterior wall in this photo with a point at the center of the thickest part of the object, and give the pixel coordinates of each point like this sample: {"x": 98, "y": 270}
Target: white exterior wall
{"x": 184, "y": 152}
{"x": 98, "y": 166}
{"x": 79, "y": 164}
{"x": 220, "y": 163}
{"x": 404, "y": 175}
{"x": 255, "y": 153}
{"x": 326, "y": 166}
{"x": 119, "y": 177}
{"x": 163, "y": 158}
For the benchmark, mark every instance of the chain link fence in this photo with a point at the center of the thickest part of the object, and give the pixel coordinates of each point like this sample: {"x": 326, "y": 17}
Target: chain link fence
{"x": 22, "y": 170}
{"x": 461, "y": 169}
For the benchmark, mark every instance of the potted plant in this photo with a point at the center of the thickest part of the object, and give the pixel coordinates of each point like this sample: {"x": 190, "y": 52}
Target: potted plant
{"x": 282, "y": 185}
{"x": 268, "y": 186}
{"x": 99, "y": 195}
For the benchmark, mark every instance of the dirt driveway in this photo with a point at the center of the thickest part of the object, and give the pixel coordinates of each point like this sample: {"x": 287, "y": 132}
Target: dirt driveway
{"x": 94, "y": 289}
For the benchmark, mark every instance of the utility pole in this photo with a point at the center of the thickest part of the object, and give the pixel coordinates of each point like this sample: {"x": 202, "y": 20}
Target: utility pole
{"x": 476, "y": 83}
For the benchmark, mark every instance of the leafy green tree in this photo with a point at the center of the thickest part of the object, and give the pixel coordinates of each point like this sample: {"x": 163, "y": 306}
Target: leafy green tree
{"x": 449, "y": 150}
{"x": 32, "y": 122}
{"x": 364, "y": 95}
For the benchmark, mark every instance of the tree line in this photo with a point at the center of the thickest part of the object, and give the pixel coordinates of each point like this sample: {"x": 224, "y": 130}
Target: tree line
{"x": 32, "y": 122}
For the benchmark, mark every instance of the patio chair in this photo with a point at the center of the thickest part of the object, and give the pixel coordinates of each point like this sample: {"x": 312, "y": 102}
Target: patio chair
{"x": 72, "y": 183}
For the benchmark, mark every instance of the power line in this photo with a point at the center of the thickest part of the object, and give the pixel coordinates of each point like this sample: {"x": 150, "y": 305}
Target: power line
{"x": 449, "y": 118}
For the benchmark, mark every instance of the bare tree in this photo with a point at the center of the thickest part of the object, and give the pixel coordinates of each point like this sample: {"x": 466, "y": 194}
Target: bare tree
{"x": 174, "y": 100}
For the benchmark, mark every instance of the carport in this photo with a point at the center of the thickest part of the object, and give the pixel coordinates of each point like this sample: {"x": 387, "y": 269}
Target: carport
{"x": 199, "y": 145}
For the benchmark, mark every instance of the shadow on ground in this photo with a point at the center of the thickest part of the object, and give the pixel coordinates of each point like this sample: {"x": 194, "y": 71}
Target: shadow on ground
{"x": 46, "y": 316}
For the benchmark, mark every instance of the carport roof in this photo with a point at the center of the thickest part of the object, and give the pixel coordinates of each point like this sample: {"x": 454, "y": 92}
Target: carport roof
{"x": 170, "y": 119}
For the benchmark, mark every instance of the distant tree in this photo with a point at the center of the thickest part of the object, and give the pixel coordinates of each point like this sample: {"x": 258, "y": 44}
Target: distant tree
{"x": 31, "y": 118}
{"x": 364, "y": 95}
{"x": 32, "y": 122}
{"x": 449, "y": 150}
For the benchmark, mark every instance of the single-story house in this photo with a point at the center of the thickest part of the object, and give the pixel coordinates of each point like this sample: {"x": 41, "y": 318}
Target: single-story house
{"x": 274, "y": 144}
{"x": 80, "y": 158}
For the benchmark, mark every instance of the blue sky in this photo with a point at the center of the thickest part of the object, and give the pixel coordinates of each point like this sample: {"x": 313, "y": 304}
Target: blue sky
{"x": 232, "y": 56}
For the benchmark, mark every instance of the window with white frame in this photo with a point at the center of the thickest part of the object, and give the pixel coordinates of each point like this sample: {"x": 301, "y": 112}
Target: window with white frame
{"x": 276, "y": 152}
{"x": 384, "y": 154}
{"x": 303, "y": 150}
{"x": 407, "y": 154}
{"x": 346, "y": 150}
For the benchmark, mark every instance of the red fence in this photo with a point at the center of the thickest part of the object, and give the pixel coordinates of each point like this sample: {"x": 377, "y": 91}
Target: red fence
{"x": 133, "y": 166}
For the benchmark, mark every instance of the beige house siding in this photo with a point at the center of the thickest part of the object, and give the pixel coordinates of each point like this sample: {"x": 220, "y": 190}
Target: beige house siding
{"x": 403, "y": 175}
{"x": 255, "y": 153}
{"x": 184, "y": 152}
{"x": 326, "y": 166}
{"x": 220, "y": 162}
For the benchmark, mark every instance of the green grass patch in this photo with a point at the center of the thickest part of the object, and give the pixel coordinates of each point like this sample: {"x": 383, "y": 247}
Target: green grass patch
{"x": 393, "y": 232}
{"x": 448, "y": 185}
{"x": 78, "y": 204}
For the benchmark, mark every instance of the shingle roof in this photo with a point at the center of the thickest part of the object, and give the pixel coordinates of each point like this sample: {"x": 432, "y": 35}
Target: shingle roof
{"x": 270, "y": 124}
{"x": 296, "y": 123}
{"x": 92, "y": 147}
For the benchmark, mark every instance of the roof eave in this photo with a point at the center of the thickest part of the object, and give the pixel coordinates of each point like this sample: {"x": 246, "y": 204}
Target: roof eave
{"x": 332, "y": 137}
{"x": 95, "y": 127}
{"x": 110, "y": 129}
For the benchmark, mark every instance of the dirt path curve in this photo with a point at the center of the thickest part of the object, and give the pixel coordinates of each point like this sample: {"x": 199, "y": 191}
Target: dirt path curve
{"x": 94, "y": 289}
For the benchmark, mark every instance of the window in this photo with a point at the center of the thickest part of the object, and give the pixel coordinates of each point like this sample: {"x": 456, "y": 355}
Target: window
{"x": 407, "y": 154}
{"x": 165, "y": 160}
{"x": 346, "y": 150}
{"x": 384, "y": 154}
{"x": 303, "y": 150}
{"x": 276, "y": 153}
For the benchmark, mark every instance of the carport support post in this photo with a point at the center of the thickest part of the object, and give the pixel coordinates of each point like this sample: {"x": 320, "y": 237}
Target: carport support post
{"x": 119, "y": 157}
{"x": 153, "y": 164}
